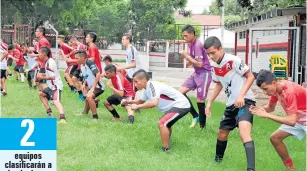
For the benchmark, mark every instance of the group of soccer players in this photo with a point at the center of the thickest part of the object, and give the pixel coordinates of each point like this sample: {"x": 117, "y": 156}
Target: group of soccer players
{"x": 84, "y": 75}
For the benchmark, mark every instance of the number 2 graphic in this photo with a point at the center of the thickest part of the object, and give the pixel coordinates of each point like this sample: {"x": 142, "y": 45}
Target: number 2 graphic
{"x": 24, "y": 140}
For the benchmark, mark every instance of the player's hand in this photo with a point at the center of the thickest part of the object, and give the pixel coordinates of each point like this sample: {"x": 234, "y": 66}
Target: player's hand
{"x": 124, "y": 102}
{"x": 39, "y": 77}
{"x": 90, "y": 93}
{"x": 109, "y": 84}
{"x": 259, "y": 111}
{"x": 184, "y": 54}
{"x": 239, "y": 102}
{"x": 208, "y": 110}
{"x": 134, "y": 106}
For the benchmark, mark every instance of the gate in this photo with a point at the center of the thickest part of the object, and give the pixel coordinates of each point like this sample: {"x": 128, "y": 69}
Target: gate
{"x": 22, "y": 33}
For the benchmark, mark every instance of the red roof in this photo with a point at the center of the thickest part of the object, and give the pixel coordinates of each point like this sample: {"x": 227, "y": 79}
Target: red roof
{"x": 207, "y": 19}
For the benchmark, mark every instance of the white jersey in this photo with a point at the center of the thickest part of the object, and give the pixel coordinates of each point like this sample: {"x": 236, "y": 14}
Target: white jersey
{"x": 31, "y": 62}
{"x": 52, "y": 70}
{"x": 3, "y": 63}
{"x": 132, "y": 55}
{"x": 230, "y": 73}
{"x": 89, "y": 71}
{"x": 167, "y": 95}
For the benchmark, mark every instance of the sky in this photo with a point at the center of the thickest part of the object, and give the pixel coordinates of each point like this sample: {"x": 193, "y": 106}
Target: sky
{"x": 197, "y": 6}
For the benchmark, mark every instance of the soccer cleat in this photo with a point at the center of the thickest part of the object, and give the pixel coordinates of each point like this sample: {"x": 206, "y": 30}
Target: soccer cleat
{"x": 81, "y": 97}
{"x": 194, "y": 122}
{"x": 62, "y": 121}
{"x": 50, "y": 115}
{"x": 218, "y": 159}
{"x": 250, "y": 170}
{"x": 131, "y": 119}
{"x": 165, "y": 149}
{"x": 4, "y": 93}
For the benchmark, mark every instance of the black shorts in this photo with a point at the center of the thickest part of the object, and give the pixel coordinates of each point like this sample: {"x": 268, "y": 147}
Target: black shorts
{"x": 171, "y": 116}
{"x": 32, "y": 74}
{"x": 52, "y": 94}
{"x": 77, "y": 73}
{"x": 19, "y": 69}
{"x": 233, "y": 115}
{"x": 42, "y": 70}
{"x": 10, "y": 62}
{"x": 3, "y": 73}
{"x": 71, "y": 69}
{"x": 116, "y": 99}
{"x": 97, "y": 92}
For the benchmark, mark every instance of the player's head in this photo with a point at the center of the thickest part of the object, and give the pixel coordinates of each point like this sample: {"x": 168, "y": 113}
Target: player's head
{"x": 15, "y": 43}
{"x": 188, "y": 33}
{"x": 107, "y": 60}
{"x": 214, "y": 48}
{"x": 44, "y": 52}
{"x": 60, "y": 39}
{"x": 140, "y": 78}
{"x": 24, "y": 46}
{"x": 40, "y": 32}
{"x": 266, "y": 80}
{"x": 35, "y": 41}
{"x": 126, "y": 39}
{"x": 81, "y": 56}
{"x": 73, "y": 40}
{"x": 91, "y": 37}
{"x": 110, "y": 71}
{"x": 11, "y": 48}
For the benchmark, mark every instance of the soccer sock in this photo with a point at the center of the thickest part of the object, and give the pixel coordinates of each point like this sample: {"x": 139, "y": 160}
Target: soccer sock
{"x": 220, "y": 148}
{"x": 30, "y": 83}
{"x": 202, "y": 116}
{"x": 80, "y": 92}
{"x": 49, "y": 111}
{"x": 192, "y": 109}
{"x": 288, "y": 163}
{"x": 71, "y": 87}
{"x": 95, "y": 116}
{"x": 62, "y": 116}
{"x": 114, "y": 113}
{"x": 250, "y": 154}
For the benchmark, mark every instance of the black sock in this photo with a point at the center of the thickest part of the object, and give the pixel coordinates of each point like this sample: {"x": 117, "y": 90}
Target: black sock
{"x": 220, "y": 148}
{"x": 30, "y": 83}
{"x": 1, "y": 89}
{"x": 95, "y": 116}
{"x": 49, "y": 111}
{"x": 192, "y": 109}
{"x": 250, "y": 154}
{"x": 131, "y": 118}
{"x": 80, "y": 92}
{"x": 114, "y": 113}
{"x": 62, "y": 116}
{"x": 71, "y": 87}
{"x": 202, "y": 115}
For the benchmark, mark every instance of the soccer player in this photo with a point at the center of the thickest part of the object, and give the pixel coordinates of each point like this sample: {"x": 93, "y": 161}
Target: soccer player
{"x": 32, "y": 63}
{"x": 93, "y": 52}
{"x": 133, "y": 62}
{"x": 93, "y": 85}
{"x": 54, "y": 83}
{"x": 232, "y": 74}
{"x": 17, "y": 46}
{"x": 19, "y": 68}
{"x": 200, "y": 79}
{"x": 108, "y": 61}
{"x": 3, "y": 67}
{"x": 292, "y": 98}
{"x": 67, "y": 54}
{"x": 165, "y": 98}
{"x": 4, "y": 46}
{"x": 122, "y": 89}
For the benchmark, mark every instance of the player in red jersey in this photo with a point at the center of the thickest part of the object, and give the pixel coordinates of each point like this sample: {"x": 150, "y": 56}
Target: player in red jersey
{"x": 93, "y": 52}
{"x": 19, "y": 68}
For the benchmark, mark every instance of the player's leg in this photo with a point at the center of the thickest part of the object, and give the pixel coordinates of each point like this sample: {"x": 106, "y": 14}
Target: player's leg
{"x": 16, "y": 72}
{"x": 44, "y": 96}
{"x": 3, "y": 82}
{"x": 277, "y": 141}
{"x": 166, "y": 122}
{"x": 33, "y": 77}
{"x": 130, "y": 111}
{"x": 203, "y": 82}
{"x": 8, "y": 70}
{"x": 245, "y": 121}
{"x": 227, "y": 124}
{"x": 57, "y": 102}
{"x": 22, "y": 73}
{"x": 109, "y": 102}
{"x": 77, "y": 84}
{"x": 68, "y": 78}
{"x": 91, "y": 102}
{"x": 187, "y": 86}
{"x": 29, "y": 79}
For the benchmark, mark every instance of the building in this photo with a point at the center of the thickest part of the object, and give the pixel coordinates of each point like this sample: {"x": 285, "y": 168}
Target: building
{"x": 265, "y": 43}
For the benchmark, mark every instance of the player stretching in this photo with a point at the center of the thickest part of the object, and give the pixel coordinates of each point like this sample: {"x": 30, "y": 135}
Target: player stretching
{"x": 292, "y": 98}
{"x": 92, "y": 85}
{"x": 19, "y": 68}
{"x": 54, "y": 83}
{"x": 3, "y": 67}
{"x": 32, "y": 65}
{"x": 165, "y": 98}
{"x": 200, "y": 79}
{"x": 231, "y": 73}
{"x": 122, "y": 89}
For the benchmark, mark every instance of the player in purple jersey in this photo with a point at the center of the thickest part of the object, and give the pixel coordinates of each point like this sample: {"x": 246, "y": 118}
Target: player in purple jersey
{"x": 200, "y": 79}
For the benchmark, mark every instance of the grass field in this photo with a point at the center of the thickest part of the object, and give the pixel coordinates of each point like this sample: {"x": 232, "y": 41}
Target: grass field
{"x": 84, "y": 145}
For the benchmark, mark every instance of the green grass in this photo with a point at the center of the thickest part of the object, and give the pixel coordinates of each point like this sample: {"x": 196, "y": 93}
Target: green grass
{"x": 117, "y": 146}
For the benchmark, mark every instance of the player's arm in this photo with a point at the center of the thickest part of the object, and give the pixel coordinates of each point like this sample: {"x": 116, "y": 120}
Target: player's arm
{"x": 4, "y": 55}
{"x": 97, "y": 75}
{"x": 14, "y": 58}
{"x": 92, "y": 54}
{"x": 269, "y": 107}
{"x": 131, "y": 65}
{"x": 148, "y": 104}
{"x": 191, "y": 61}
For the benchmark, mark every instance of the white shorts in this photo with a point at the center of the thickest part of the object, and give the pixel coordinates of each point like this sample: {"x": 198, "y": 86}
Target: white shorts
{"x": 299, "y": 130}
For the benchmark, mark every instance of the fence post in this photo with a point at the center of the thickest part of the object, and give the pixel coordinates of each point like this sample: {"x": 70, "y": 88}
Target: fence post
{"x": 166, "y": 54}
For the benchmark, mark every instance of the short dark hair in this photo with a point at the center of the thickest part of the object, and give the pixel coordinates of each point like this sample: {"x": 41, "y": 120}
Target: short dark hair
{"x": 212, "y": 41}
{"x": 61, "y": 37}
{"x": 188, "y": 28}
{"x": 42, "y": 29}
{"x": 128, "y": 36}
{"x": 73, "y": 37}
{"x": 11, "y": 47}
{"x": 140, "y": 74}
{"x": 24, "y": 45}
{"x": 93, "y": 35}
{"x": 107, "y": 58}
{"x": 110, "y": 68}
{"x": 81, "y": 53}
{"x": 46, "y": 51}
{"x": 265, "y": 76}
